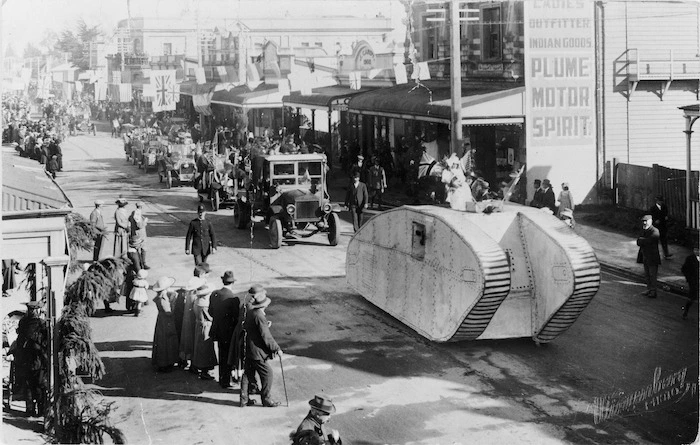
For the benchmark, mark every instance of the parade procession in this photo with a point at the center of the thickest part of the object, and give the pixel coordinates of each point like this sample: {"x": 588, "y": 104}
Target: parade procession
{"x": 404, "y": 222}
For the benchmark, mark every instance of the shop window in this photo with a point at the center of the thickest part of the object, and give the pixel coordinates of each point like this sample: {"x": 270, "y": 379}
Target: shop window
{"x": 167, "y": 49}
{"x": 318, "y": 44}
{"x": 491, "y": 33}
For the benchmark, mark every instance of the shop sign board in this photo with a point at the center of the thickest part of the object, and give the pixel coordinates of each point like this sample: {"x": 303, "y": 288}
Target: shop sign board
{"x": 560, "y": 77}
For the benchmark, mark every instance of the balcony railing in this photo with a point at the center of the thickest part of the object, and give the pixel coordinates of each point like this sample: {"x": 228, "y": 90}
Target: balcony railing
{"x": 664, "y": 69}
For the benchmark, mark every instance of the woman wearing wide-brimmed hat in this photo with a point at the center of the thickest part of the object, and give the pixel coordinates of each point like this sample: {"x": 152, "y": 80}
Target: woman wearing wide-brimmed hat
{"x": 203, "y": 356}
{"x": 165, "y": 341}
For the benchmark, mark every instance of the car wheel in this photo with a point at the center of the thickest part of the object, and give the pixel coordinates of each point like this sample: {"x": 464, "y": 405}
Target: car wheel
{"x": 275, "y": 233}
{"x": 333, "y": 229}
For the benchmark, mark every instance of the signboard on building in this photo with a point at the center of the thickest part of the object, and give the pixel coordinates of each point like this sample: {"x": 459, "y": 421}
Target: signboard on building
{"x": 560, "y": 77}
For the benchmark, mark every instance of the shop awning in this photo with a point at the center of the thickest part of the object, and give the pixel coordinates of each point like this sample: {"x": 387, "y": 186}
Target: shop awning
{"x": 328, "y": 98}
{"x": 483, "y": 103}
{"x": 190, "y": 87}
{"x": 264, "y": 96}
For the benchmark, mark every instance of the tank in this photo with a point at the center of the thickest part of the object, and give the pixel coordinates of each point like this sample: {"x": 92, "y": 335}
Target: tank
{"x": 452, "y": 275}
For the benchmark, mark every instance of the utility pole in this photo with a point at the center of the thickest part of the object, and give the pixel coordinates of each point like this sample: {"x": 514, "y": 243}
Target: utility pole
{"x": 455, "y": 79}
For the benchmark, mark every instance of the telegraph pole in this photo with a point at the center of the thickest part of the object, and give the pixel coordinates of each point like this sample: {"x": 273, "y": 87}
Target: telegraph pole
{"x": 455, "y": 79}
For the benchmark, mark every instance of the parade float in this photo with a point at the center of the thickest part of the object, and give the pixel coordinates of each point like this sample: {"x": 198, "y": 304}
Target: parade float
{"x": 494, "y": 270}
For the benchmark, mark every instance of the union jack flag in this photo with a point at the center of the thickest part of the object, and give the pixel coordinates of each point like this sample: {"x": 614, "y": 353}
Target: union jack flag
{"x": 163, "y": 81}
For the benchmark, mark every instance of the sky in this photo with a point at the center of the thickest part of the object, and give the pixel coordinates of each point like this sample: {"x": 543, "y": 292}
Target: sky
{"x": 25, "y": 21}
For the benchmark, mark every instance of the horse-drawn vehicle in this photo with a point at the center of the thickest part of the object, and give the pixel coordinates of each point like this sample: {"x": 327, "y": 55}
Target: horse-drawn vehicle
{"x": 177, "y": 163}
{"x": 288, "y": 192}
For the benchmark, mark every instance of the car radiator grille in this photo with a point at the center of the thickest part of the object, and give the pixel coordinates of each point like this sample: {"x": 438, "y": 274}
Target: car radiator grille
{"x": 306, "y": 209}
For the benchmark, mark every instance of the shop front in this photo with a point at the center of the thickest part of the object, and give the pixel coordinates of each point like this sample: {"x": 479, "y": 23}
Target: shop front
{"x": 492, "y": 118}
{"x": 322, "y": 116}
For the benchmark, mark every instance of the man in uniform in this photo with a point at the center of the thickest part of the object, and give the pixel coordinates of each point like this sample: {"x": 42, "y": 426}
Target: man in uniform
{"x": 223, "y": 307}
{"x": 98, "y": 222}
{"x": 201, "y": 236}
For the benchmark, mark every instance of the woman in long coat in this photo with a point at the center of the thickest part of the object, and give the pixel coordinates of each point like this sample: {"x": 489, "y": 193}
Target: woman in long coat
{"x": 188, "y": 322}
{"x": 165, "y": 340}
{"x": 204, "y": 356}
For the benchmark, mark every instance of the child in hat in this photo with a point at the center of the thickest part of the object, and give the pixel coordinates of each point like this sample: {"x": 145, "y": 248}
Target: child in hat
{"x": 139, "y": 294}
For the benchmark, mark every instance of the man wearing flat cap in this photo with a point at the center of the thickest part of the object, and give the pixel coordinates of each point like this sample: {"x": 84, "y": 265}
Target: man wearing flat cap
{"x": 311, "y": 430}
{"x": 259, "y": 346}
{"x": 98, "y": 222}
{"x": 223, "y": 308}
{"x": 649, "y": 251}
{"x": 201, "y": 236}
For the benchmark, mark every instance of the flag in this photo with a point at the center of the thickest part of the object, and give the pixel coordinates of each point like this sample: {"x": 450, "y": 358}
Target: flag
{"x": 221, "y": 71}
{"x": 284, "y": 87}
{"x": 175, "y": 91}
{"x": 200, "y": 75}
{"x": 295, "y": 80}
{"x": 78, "y": 87}
{"x": 374, "y": 73}
{"x": 400, "y": 73}
{"x": 125, "y": 94}
{"x": 100, "y": 91}
{"x": 426, "y": 165}
{"x": 162, "y": 81}
{"x": 116, "y": 77}
{"x": 253, "y": 76}
{"x": 201, "y": 103}
{"x": 355, "y": 80}
{"x": 423, "y": 71}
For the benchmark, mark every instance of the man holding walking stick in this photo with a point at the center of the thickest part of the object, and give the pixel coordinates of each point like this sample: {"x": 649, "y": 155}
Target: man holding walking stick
{"x": 259, "y": 346}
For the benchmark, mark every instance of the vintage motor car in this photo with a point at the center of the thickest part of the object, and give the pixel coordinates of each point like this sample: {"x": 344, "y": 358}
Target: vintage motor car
{"x": 176, "y": 163}
{"x": 149, "y": 155}
{"x": 288, "y": 192}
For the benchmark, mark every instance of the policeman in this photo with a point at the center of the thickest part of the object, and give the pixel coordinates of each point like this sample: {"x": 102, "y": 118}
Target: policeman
{"x": 201, "y": 236}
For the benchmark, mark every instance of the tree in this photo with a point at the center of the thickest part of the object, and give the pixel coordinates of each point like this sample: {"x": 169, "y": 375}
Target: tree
{"x": 77, "y": 42}
{"x": 31, "y": 51}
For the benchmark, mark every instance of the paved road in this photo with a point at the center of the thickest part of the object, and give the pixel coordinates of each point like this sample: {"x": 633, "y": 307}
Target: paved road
{"x": 390, "y": 385}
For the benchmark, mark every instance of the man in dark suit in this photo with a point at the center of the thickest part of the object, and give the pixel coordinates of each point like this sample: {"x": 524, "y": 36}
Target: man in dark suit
{"x": 548, "y": 198}
{"x": 537, "y": 197}
{"x": 201, "y": 234}
{"x": 260, "y": 347}
{"x": 649, "y": 246}
{"x": 98, "y": 223}
{"x": 223, "y": 307}
{"x": 356, "y": 200}
{"x": 659, "y": 215}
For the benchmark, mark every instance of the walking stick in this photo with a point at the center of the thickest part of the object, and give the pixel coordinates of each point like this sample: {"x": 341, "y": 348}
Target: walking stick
{"x": 284, "y": 383}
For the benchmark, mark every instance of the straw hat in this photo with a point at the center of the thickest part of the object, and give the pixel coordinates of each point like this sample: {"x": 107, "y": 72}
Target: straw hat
{"x": 142, "y": 274}
{"x": 194, "y": 283}
{"x": 163, "y": 283}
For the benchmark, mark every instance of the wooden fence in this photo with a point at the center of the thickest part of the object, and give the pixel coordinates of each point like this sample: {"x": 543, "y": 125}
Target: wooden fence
{"x": 637, "y": 186}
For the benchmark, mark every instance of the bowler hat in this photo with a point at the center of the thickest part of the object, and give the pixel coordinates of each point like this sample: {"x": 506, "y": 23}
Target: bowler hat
{"x": 163, "y": 283}
{"x": 646, "y": 218}
{"x": 322, "y": 403}
{"x": 260, "y": 299}
{"x": 228, "y": 278}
